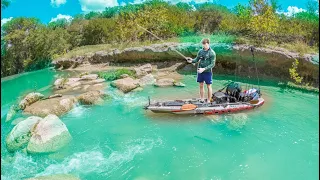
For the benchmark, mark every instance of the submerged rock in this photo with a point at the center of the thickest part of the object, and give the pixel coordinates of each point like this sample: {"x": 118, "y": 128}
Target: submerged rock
{"x": 21, "y": 133}
{"x": 11, "y": 113}
{"x": 164, "y": 82}
{"x": 56, "y": 177}
{"x": 57, "y": 106}
{"x": 126, "y": 84}
{"x": 29, "y": 99}
{"x": 50, "y": 135}
{"x": 91, "y": 97}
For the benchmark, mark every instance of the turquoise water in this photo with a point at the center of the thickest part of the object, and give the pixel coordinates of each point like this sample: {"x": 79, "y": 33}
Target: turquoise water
{"x": 120, "y": 140}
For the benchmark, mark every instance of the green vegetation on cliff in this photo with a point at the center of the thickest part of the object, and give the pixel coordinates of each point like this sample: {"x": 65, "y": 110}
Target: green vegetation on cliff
{"x": 28, "y": 45}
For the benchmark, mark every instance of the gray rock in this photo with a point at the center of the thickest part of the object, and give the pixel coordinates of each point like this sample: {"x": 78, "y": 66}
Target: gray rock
{"x": 50, "y": 135}
{"x": 21, "y": 133}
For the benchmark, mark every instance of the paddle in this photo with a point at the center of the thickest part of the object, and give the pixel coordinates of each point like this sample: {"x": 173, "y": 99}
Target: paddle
{"x": 188, "y": 107}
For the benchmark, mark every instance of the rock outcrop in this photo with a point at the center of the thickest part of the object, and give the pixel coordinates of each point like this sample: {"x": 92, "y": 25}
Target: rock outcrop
{"x": 57, "y": 106}
{"x": 271, "y": 62}
{"x": 91, "y": 97}
{"x": 126, "y": 84}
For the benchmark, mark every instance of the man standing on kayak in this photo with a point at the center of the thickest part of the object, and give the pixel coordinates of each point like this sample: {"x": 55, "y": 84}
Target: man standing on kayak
{"x": 206, "y": 58}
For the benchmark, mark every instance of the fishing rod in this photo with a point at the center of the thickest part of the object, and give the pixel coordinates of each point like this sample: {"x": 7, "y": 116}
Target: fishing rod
{"x": 255, "y": 64}
{"x": 161, "y": 41}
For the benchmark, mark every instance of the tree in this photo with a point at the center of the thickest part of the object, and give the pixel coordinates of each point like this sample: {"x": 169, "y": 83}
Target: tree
{"x": 264, "y": 24}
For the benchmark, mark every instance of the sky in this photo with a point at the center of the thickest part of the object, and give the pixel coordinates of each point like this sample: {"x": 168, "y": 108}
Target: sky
{"x": 51, "y": 10}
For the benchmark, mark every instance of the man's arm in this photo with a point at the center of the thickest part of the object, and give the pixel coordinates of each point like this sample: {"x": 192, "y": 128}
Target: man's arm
{"x": 197, "y": 58}
{"x": 212, "y": 61}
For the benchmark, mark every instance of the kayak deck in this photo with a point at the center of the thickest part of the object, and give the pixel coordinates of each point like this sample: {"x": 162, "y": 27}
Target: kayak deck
{"x": 176, "y": 107}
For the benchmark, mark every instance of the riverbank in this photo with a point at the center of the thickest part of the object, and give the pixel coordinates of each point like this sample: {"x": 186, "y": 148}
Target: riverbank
{"x": 232, "y": 59}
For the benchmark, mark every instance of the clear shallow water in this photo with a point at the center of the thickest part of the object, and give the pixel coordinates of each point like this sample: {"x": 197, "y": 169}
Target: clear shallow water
{"x": 120, "y": 140}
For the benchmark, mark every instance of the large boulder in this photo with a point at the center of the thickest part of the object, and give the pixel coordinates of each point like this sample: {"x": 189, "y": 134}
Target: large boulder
{"x": 21, "y": 133}
{"x": 57, "y": 106}
{"x": 91, "y": 97}
{"x": 29, "y": 99}
{"x": 147, "y": 79}
{"x": 125, "y": 84}
{"x": 143, "y": 70}
{"x": 50, "y": 135}
{"x": 164, "y": 82}
{"x": 56, "y": 177}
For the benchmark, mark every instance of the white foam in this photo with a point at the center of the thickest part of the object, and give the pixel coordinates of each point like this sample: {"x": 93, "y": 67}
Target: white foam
{"x": 95, "y": 161}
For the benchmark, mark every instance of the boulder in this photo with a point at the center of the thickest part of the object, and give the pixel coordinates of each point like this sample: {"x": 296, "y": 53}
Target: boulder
{"x": 56, "y": 177}
{"x": 91, "y": 97}
{"x": 50, "y": 135}
{"x": 57, "y": 106}
{"x": 29, "y": 99}
{"x": 21, "y": 133}
{"x": 143, "y": 70}
{"x": 126, "y": 84}
{"x": 89, "y": 77}
{"x": 147, "y": 79}
{"x": 164, "y": 82}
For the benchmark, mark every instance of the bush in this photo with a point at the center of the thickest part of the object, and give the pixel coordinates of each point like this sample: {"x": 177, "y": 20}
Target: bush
{"x": 115, "y": 74}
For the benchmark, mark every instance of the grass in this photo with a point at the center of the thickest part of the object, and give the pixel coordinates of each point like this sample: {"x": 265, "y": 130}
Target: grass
{"x": 214, "y": 38}
{"x": 111, "y": 75}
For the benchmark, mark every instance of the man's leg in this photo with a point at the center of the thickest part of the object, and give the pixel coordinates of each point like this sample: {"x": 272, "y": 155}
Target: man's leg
{"x": 201, "y": 90}
{"x": 209, "y": 91}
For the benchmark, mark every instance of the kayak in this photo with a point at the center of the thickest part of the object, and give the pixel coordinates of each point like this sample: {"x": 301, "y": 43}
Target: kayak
{"x": 231, "y": 101}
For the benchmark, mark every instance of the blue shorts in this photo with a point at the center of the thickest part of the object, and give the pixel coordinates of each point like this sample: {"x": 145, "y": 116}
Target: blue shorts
{"x": 205, "y": 76}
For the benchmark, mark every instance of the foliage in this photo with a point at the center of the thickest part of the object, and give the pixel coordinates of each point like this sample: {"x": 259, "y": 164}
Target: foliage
{"x": 294, "y": 74}
{"x": 27, "y": 44}
{"x": 115, "y": 74}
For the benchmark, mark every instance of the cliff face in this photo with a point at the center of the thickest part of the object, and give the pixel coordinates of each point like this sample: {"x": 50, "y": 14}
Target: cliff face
{"x": 231, "y": 59}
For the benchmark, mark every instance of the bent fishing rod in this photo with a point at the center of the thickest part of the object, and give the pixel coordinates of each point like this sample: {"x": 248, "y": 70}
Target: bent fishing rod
{"x": 162, "y": 41}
